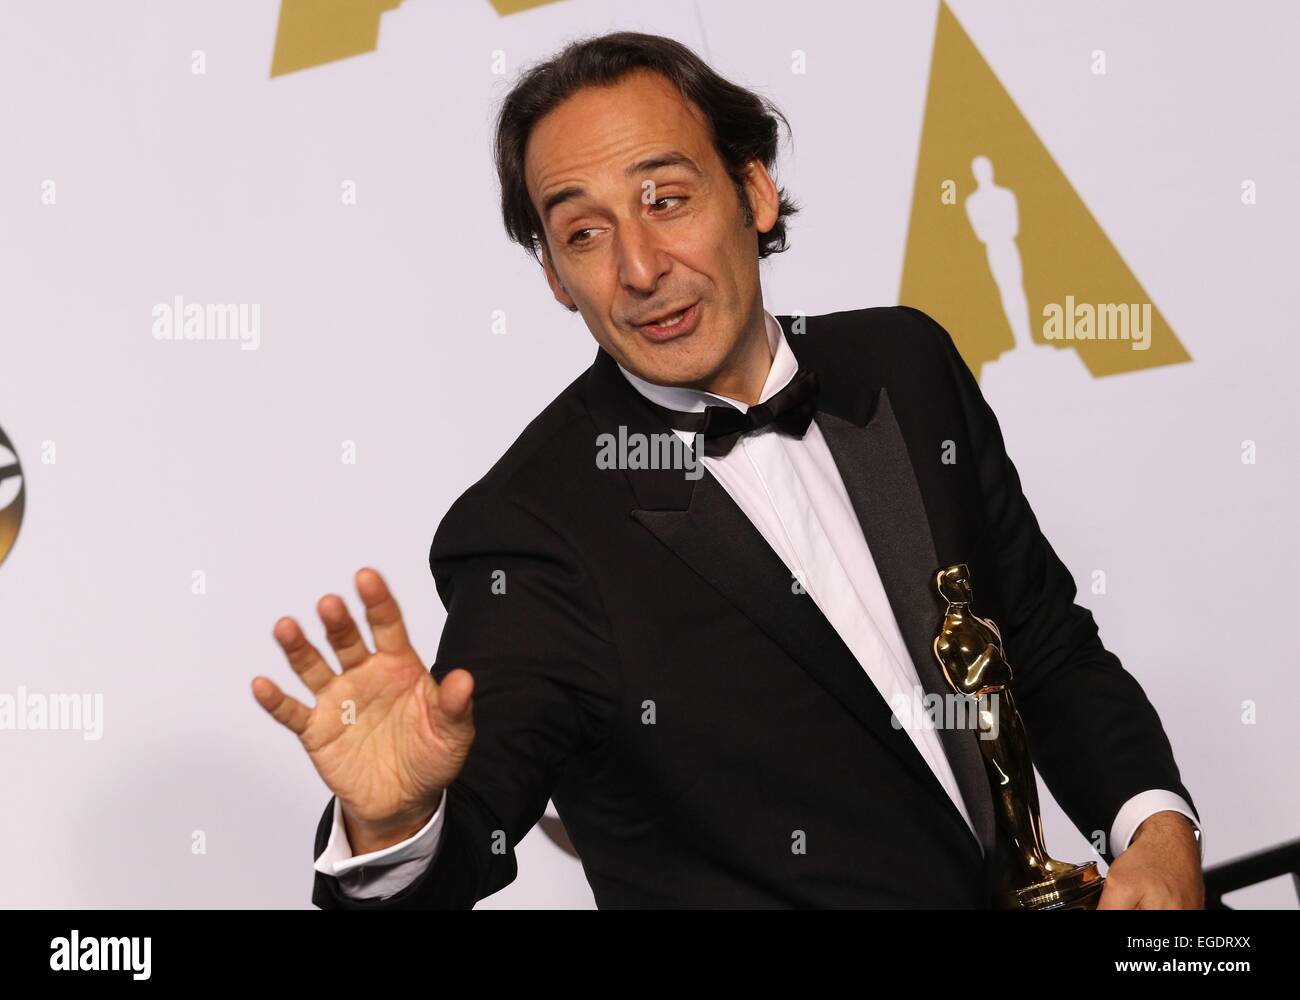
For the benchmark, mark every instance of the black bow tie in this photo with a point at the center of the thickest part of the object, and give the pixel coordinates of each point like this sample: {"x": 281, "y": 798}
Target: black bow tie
{"x": 790, "y": 411}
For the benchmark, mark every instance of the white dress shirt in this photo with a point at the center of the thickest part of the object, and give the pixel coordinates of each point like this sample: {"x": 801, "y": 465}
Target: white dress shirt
{"x": 790, "y": 488}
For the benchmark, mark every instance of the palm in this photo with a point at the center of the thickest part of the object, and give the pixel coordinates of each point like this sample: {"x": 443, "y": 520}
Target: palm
{"x": 383, "y": 735}
{"x": 377, "y": 738}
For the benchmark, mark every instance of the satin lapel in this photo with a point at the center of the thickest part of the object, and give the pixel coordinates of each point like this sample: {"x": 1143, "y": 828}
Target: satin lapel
{"x": 877, "y": 472}
{"x": 714, "y": 537}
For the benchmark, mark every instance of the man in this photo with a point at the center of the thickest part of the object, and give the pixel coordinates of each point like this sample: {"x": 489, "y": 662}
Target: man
{"x": 697, "y": 663}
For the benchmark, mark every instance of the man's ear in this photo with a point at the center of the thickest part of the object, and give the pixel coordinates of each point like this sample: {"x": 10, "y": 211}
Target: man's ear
{"x": 763, "y": 198}
{"x": 557, "y": 286}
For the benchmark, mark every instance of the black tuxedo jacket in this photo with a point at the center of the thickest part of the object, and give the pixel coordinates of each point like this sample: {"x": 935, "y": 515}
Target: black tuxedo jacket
{"x": 706, "y": 736}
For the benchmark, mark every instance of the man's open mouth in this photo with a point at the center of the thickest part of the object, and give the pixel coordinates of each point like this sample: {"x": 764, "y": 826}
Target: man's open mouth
{"x": 667, "y": 324}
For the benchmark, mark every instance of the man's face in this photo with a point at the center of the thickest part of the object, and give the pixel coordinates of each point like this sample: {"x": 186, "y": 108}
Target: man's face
{"x": 641, "y": 221}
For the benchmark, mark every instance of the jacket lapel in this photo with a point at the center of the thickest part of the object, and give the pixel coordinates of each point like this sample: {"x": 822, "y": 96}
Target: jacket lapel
{"x": 704, "y": 527}
{"x": 881, "y": 483}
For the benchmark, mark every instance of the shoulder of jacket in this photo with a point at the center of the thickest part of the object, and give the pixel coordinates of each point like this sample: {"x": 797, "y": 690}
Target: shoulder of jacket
{"x": 872, "y": 336}
{"x": 525, "y": 467}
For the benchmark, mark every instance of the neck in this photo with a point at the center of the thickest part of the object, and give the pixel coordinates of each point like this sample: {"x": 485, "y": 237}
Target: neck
{"x": 745, "y": 371}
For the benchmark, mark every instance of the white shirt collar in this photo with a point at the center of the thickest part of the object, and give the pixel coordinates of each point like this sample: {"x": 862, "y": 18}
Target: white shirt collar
{"x": 676, "y": 397}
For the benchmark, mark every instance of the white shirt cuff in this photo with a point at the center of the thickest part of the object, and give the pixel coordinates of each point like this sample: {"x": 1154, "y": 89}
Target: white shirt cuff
{"x": 338, "y": 859}
{"x": 1136, "y": 810}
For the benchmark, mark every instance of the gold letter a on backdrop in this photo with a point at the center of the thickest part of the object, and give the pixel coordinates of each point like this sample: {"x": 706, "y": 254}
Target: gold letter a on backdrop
{"x": 315, "y": 32}
{"x": 1001, "y": 249}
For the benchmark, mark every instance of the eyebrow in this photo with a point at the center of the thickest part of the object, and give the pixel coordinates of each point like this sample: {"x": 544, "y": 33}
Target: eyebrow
{"x": 659, "y": 160}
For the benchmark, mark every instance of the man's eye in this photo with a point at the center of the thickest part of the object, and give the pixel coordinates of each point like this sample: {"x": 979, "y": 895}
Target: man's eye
{"x": 576, "y": 240}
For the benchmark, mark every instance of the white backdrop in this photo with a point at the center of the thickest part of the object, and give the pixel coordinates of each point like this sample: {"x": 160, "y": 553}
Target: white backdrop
{"x": 128, "y": 179}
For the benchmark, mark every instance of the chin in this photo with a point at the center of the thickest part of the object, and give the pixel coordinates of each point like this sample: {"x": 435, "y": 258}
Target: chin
{"x": 683, "y": 369}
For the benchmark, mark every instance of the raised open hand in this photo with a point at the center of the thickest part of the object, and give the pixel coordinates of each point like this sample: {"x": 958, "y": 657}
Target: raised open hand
{"x": 383, "y": 735}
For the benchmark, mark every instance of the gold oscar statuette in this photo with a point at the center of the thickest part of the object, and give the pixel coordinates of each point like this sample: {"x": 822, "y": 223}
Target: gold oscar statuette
{"x": 969, "y": 649}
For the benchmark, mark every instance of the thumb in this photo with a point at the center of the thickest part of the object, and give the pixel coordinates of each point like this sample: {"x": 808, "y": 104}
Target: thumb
{"x": 454, "y": 697}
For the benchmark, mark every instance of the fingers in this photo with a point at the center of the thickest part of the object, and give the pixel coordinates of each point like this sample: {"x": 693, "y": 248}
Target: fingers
{"x": 382, "y": 613}
{"x": 342, "y": 632}
{"x": 307, "y": 663}
{"x": 288, "y": 711}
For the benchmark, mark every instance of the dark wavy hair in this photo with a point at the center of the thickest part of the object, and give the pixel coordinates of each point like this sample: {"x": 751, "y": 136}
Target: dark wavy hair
{"x": 743, "y": 124}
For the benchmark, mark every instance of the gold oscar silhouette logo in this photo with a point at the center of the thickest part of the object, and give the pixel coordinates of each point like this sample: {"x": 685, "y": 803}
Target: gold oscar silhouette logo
{"x": 13, "y": 497}
{"x": 314, "y": 32}
{"x": 1001, "y": 250}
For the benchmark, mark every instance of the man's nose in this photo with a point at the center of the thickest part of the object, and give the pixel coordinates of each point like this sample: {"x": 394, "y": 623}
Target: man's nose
{"x": 642, "y": 261}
